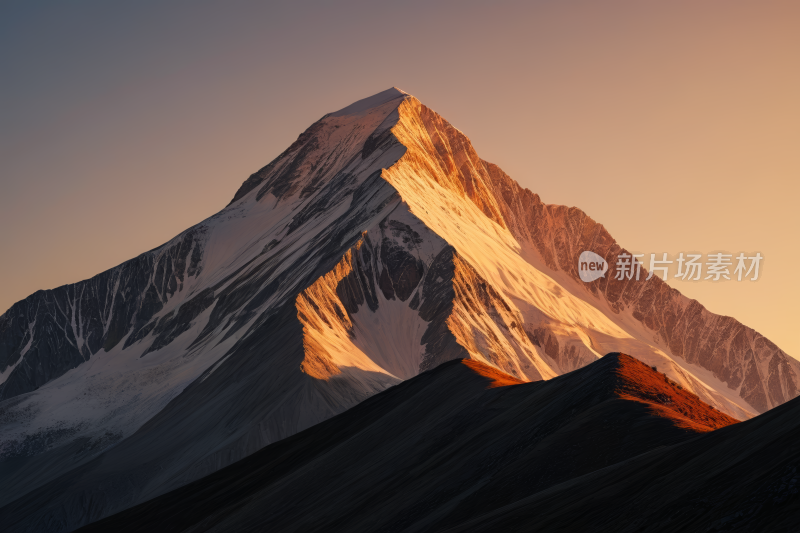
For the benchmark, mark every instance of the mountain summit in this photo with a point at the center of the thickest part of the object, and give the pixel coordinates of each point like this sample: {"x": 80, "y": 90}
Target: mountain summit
{"x": 377, "y": 246}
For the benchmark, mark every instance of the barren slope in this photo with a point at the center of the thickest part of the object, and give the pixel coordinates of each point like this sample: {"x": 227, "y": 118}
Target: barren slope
{"x": 743, "y": 478}
{"x": 449, "y": 444}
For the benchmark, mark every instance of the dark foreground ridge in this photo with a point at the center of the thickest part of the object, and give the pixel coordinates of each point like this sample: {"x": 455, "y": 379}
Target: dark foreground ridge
{"x": 614, "y": 446}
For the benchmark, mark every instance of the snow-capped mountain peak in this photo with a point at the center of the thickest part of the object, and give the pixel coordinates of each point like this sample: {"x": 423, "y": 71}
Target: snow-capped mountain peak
{"x": 377, "y": 246}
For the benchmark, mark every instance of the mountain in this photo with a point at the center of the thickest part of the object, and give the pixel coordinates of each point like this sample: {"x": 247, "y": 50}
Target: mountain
{"x": 377, "y": 246}
{"x": 451, "y": 444}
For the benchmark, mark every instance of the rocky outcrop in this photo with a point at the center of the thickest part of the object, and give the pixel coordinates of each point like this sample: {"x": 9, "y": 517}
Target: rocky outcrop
{"x": 402, "y": 302}
{"x": 53, "y": 331}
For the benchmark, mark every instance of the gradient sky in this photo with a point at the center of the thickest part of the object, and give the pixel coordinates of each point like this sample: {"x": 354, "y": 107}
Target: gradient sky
{"x": 674, "y": 123}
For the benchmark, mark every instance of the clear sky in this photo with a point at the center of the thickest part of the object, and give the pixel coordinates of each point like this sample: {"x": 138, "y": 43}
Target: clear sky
{"x": 674, "y": 123}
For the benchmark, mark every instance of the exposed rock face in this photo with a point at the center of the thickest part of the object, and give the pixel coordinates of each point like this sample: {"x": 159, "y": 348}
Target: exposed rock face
{"x": 377, "y": 246}
{"x": 215, "y": 372}
{"x": 737, "y": 355}
{"x": 51, "y": 332}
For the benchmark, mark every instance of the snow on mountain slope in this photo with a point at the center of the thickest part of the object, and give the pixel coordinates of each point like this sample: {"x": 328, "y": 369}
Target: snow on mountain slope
{"x": 174, "y": 316}
{"x": 378, "y": 245}
{"x": 695, "y": 344}
{"x": 362, "y": 313}
{"x": 532, "y": 261}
